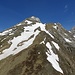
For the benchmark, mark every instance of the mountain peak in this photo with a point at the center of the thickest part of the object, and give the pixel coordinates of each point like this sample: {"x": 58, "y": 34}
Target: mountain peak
{"x": 73, "y": 30}
{"x": 34, "y": 19}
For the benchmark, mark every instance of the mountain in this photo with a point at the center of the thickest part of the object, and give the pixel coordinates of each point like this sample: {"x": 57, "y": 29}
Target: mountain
{"x": 33, "y": 48}
{"x": 73, "y": 31}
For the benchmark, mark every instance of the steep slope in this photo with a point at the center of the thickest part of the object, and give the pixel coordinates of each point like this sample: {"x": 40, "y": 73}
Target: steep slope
{"x": 34, "y": 48}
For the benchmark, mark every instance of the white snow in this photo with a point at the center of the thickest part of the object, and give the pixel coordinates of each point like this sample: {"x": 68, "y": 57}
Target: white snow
{"x": 43, "y": 29}
{"x": 43, "y": 41}
{"x": 16, "y": 40}
{"x": 56, "y": 45}
{"x": 67, "y": 40}
{"x": 53, "y": 58}
{"x": 28, "y": 22}
{"x": 65, "y": 34}
{"x": 35, "y": 18}
{"x": 1, "y": 46}
{"x": 6, "y": 32}
{"x": 9, "y": 41}
{"x": 3, "y": 39}
{"x": 55, "y": 27}
{"x": 24, "y": 36}
{"x": 19, "y": 24}
{"x": 50, "y": 34}
{"x": 11, "y": 33}
{"x": 74, "y": 36}
{"x": 55, "y": 23}
{"x": 42, "y": 26}
{"x": 1, "y": 34}
{"x": 26, "y": 44}
{"x": 69, "y": 31}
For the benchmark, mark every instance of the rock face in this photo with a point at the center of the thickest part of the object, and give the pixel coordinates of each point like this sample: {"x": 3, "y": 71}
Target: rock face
{"x": 34, "y": 48}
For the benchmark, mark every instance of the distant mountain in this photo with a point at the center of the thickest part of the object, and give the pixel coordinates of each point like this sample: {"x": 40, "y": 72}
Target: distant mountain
{"x": 33, "y": 48}
{"x": 73, "y": 31}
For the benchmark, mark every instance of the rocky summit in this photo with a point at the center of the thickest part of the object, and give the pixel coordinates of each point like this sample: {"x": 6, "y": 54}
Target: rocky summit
{"x": 33, "y": 48}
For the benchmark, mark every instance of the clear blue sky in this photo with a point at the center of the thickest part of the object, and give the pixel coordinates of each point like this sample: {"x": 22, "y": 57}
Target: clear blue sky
{"x": 14, "y": 11}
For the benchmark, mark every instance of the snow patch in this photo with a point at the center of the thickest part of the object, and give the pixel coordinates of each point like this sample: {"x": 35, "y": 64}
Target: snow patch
{"x": 23, "y": 37}
{"x": 42, "y": 26}
{"x": 56, "y": 45}
{"x": 6, "y": 32}
{"x": 69, "y": 31}
{"x": 3, "y": 39}
{"x": 9, "y": 41}
{"x": 19, "y": 24}
{"x": 1, "y": 46}
{"x": 53, "y": 58}
{"x": 65, "y": 34}
{"x": 1, "y": 34}
{"x": 55, "y": 27}
{"x": 16, "y": 40}
{"x": 67, "y": 40}
{"x": 74, "y": 36}
{"x": 11, "y": 34}
{"x": 43, "y": 41}
{"x": 28, "y": 22}
{"x": 55, "y": 23}
{"x": 35, "y": 18}
{"x": 50, "y": 34}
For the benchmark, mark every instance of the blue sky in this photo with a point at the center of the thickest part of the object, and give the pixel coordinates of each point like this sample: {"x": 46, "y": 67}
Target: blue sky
{"x": 14, "y": 11}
